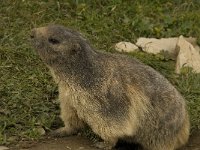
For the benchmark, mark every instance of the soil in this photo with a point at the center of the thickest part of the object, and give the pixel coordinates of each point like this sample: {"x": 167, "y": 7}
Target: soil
{"x": 82, "y": 143}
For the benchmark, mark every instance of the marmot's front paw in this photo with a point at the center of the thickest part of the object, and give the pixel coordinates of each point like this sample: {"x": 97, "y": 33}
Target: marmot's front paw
{"x": 61, "y": 132}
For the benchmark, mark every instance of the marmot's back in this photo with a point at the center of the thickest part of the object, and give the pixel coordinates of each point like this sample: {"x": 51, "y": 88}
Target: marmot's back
{"x": 166, "y": 116}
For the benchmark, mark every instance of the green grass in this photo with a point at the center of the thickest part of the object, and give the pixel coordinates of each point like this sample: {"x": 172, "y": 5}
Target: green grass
{"x": 28, "y": 94}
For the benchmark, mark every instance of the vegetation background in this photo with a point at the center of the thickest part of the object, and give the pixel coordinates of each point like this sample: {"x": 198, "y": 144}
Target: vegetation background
{"x": 28, "y": 96}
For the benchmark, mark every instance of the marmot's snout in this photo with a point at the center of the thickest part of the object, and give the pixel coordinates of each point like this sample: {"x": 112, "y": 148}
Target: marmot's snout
{"x": 38, "y": 32}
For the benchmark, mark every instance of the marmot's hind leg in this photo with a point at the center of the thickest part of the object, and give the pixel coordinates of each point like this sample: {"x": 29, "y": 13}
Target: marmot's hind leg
{"x": 179, "y": 140}
{"x": 184, "y": 133}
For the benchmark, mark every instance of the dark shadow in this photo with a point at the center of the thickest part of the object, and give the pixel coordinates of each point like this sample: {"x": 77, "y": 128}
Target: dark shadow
{"x": 122, "y": 145}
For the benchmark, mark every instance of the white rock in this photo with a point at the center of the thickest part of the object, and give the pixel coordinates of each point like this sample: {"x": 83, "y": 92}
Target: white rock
{"x": 155, "y": 46}
{"x": 125, "y": 47}
{"x": 3, "y": 148}
{"x": 185, "y": 51}
{"x": 40, "y": 130}
{"x": 188, "y": 56}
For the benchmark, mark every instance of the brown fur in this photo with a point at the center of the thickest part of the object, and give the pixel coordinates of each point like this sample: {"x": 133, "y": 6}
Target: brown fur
{"x": 116, "y": 95}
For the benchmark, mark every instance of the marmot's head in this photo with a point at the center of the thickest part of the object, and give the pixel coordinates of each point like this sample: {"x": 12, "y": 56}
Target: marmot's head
{"x": 56, "y": 44}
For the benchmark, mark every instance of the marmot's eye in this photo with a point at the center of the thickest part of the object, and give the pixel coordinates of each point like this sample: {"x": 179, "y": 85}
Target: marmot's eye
{"x": 53, "y": 41}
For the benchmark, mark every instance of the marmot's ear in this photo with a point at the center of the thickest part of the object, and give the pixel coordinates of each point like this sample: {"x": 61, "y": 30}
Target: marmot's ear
{"x": 76, "y": 48}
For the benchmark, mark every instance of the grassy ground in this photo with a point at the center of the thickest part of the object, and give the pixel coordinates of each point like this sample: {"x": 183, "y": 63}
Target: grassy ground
{"x": 27, "y": 92}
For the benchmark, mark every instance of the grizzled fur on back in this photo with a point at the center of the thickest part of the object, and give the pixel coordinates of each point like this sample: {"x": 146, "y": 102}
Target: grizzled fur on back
{"x": 116, "y": 95}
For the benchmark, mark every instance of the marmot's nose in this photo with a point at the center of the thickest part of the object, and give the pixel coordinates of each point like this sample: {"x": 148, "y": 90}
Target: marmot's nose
{"x": 32, "y": 34}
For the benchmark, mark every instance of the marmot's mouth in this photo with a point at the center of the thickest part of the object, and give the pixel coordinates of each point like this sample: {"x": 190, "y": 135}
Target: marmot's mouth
{"x": 32, "y": 34}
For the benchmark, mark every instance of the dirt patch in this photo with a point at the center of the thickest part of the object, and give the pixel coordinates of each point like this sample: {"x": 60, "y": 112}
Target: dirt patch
{"x": 82, "y": 143}
{"x": 66, "y": 143}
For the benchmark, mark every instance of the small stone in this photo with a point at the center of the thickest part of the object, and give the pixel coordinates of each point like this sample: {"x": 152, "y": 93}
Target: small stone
{"x": 68, "y": 147}
{"x": 41, "y": 131}
{"x": 125, "y": 47}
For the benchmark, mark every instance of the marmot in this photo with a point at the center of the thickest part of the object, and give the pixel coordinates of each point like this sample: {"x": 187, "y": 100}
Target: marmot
{"x": 116, "y": 95}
